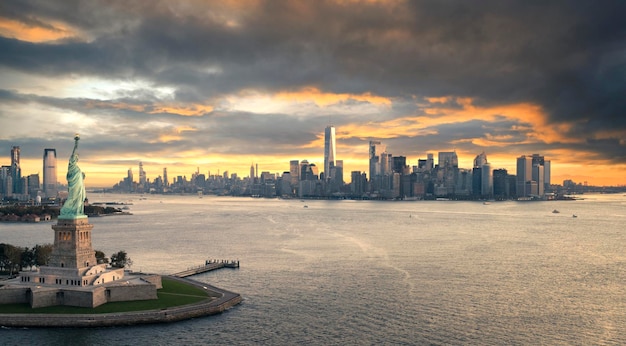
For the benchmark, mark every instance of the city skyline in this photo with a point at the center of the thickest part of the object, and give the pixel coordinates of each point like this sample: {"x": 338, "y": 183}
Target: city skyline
{"x": 220, "y": 85}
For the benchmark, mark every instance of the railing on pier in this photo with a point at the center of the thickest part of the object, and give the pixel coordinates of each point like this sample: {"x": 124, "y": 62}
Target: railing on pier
{"x": 209, "y": 265}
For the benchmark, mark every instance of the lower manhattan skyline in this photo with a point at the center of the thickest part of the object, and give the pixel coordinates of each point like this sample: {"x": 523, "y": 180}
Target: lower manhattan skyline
{"x": 221, "y": 86}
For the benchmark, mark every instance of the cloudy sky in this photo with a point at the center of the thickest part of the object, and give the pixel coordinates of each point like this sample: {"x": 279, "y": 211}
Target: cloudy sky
{"x": 219, "y": 85}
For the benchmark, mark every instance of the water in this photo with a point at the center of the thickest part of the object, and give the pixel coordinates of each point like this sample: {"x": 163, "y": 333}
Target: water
{"x": 366, "y": 272}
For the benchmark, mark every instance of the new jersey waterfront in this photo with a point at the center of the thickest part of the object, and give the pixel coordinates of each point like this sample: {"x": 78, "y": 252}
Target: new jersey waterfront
{"x": 371, "y": 272}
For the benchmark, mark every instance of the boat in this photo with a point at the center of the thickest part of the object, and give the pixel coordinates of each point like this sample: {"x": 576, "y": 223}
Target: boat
{"x": 574, "y": 215}
{"x": 555, "y": 211}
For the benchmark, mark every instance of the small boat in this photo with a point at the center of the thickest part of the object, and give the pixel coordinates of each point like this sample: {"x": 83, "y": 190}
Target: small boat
{"x": 555, "y": 211}
{"x": 574, "y": 215}
{"x": 305, "y": 206}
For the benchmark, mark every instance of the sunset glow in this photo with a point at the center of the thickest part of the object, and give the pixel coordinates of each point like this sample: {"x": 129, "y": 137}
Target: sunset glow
{"x": 222, "y": 86}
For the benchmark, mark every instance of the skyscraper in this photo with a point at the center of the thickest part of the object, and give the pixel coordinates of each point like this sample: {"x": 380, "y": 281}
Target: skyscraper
{"x": 480, "y": 160}
{"x": 16, "y": 171}
{"x": 142, "y": 174}
{"x": 376, "y": 149}
{"x": 294, "y": 171}
{"x": 50, "y": 172}
{"x": 524, "y": 175}
{"x": 329, "y": 151}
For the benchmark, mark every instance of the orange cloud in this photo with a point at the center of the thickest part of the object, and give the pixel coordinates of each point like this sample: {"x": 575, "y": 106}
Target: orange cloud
{"x": 25, "y": 32}
{"x": 115, "y": 105}
{"x": 526, "y": 114}
{"x": 323, "y": 99}
{"x": 188, "y": 111}
{"x": 174, "y": 135}
{"x": 182, "y": 110}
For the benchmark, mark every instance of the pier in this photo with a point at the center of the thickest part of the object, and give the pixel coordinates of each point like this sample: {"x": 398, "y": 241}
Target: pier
{"x": 208, "y": 266}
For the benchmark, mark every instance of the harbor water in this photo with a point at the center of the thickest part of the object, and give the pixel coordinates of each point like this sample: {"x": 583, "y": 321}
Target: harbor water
{"x": 370, "y": 272}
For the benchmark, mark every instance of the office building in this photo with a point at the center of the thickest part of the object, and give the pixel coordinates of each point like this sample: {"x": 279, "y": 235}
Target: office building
{"x": 294, "y": 172}
{"x": 142, "y": 175}
{"x": 50, "y": 178}
{"x": 500, "y": 184}
{"x": 524, "y": 175}
{"x": 329, "y": 151}
{"x": 375, "y": 149}
{"x": 16, "y": 171}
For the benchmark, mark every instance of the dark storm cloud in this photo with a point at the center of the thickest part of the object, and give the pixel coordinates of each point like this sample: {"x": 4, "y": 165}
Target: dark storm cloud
{"x": 567, "y": 56}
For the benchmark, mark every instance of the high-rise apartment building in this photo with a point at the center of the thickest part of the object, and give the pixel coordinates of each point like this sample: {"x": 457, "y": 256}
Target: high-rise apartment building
{"x": 50, "y": 178}
{"x": 329, "y": 151}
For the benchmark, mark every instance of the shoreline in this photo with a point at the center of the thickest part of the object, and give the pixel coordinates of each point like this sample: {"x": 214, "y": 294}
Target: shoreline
{"x": 226, "y": 301}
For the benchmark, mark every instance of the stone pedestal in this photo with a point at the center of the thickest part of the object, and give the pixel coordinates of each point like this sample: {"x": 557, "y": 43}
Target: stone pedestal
{"x": 72, "y": 244}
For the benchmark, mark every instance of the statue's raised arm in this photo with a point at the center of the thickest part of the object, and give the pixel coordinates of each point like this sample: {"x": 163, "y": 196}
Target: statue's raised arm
{"x": 74, "y": 206}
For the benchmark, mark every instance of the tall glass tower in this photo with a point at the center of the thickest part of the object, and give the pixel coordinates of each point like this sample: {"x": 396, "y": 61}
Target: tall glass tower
{"x": 376, "y": 149}
{"x": 16, "y": 171}
{"x": 329, "y": 150}
{"x": 50, "y": 172}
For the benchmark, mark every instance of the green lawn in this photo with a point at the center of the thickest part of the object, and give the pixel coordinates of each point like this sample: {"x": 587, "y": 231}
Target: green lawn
{"x": 173, "y": 293}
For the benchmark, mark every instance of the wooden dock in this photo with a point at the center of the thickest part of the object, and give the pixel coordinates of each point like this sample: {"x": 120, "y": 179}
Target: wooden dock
{"x": 207, "y": 267}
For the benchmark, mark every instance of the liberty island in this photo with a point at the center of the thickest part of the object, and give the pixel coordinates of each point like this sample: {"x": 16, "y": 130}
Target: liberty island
{"x": 73, "y": 276}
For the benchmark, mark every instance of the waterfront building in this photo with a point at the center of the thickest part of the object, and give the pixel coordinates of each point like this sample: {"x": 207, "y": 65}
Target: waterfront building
{"x": 166, "y": 182}
{"x": 329, "y": 151}
{"x": 50, "y": 173}
{"x": 500, "y": 184}
{"x": 532, "y": 178}
{"x": 358, "y": 184}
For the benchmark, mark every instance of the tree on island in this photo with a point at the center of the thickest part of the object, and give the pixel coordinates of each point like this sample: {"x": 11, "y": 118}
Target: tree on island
{"x": 121, "y": 260}
{"x": 101, "y": 257}
{"x": 10, "y": 258}
{"x": 14, "y": 258}
{"x": 41, "y": 253}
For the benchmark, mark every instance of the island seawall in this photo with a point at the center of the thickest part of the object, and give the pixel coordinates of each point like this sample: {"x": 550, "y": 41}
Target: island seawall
{"x": 225, "y": 300}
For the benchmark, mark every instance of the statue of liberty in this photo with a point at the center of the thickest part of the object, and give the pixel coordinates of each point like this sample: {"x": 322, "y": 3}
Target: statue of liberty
{"x": 74, "y": 206}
